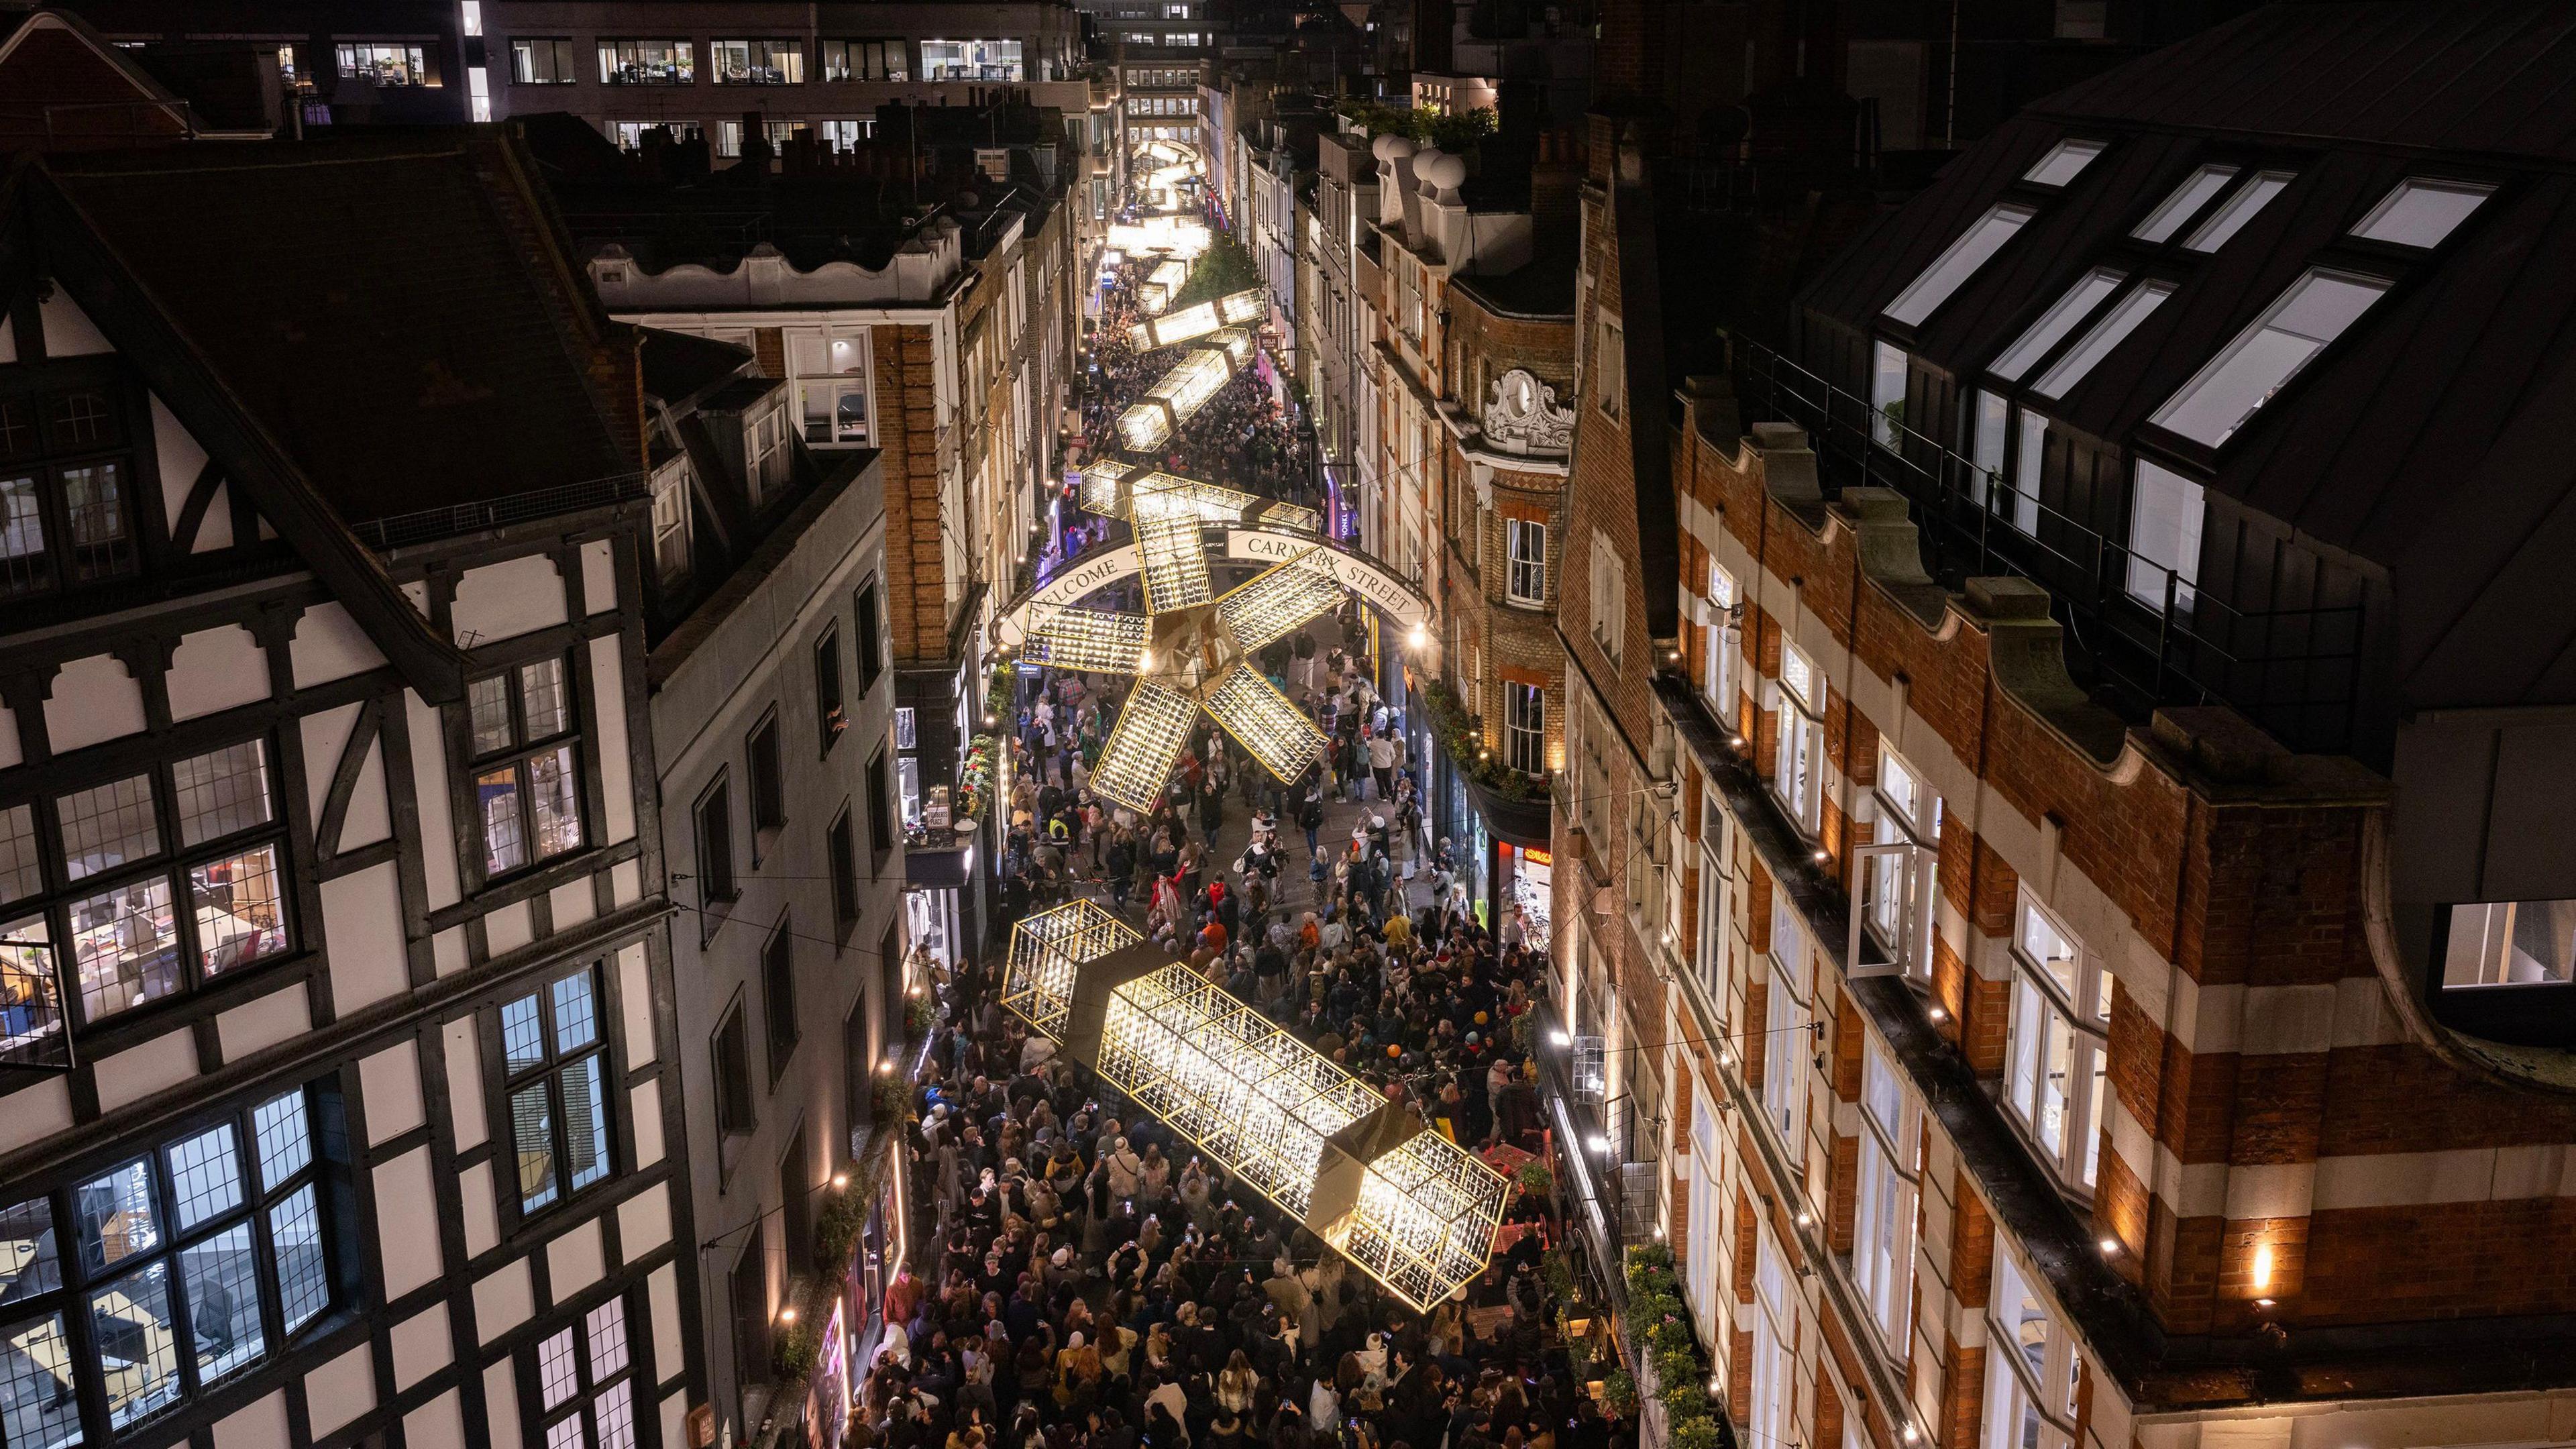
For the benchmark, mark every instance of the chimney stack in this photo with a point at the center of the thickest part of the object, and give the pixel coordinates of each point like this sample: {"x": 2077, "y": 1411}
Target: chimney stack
{"x": 1556, "y": 182}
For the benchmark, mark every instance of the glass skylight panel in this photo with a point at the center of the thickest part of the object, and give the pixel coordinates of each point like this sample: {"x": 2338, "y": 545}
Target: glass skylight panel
{"x": 2064, "y": 162}
{"x": 2185, "y": 203}
{"x": 2231, "y": 216}
{"x": 2053, "y": 325}
{"x": 2313, "y": 312}
{"x": 1960, "y": 261}
{"x": 2420, "y": 212}
{"x": 2116, "y": 324}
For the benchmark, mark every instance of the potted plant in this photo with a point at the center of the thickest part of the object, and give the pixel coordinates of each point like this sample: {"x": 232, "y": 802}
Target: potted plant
{"x": 1536, "y": 1178}
{"x": 836, "y": 1229}
{"x": 888, "y": 1098}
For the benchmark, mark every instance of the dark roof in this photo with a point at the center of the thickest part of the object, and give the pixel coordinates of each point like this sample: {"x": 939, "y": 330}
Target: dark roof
{"x": 377, "y": 305}
{"x": 2427, "y": 442}
{"x": 679, "y": 369}
{"x": 1541, "y": 287}
{"x": 741, "y": 394}
{"x": 2452, "y": 75}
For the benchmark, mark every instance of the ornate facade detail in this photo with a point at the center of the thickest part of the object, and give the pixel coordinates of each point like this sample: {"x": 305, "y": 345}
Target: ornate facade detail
{"x": 1522, "y": 416}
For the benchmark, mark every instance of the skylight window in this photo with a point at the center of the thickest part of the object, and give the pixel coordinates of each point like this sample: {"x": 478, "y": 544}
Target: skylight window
{"x": 2419, "y": 213}
{"x": 2184, "y": 204}
{"x": 2108, "y": 333}
{"x": 2064, "y": 162}
{"x": 2230, "y": 218}
{"x": 2313, "y": 312}
{"x": 2053, "y": 325}
{"x": 1972, "y": 250}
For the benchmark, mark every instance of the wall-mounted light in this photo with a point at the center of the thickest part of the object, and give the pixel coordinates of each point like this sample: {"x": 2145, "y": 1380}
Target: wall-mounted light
{"x": 787, "y": 1314}
{"x": 2110, "y": 1247}
{"x": 2262, "y": 1267}
{"x": 840, "y": 1179}
{"x": 1938, "y": 1015}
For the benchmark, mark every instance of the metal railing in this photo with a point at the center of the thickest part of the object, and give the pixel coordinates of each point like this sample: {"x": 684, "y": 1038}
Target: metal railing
{"x": 2136, "y": 628}
{"x": 431, "y": 524}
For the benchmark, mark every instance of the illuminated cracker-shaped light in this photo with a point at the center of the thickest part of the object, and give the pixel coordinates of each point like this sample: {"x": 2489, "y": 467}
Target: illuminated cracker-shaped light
{"x": 1197, "y": 320}
{"x": 1090, "y": 639}
{"x": 1100, "y": 489}
{"x": 1175, "y": 398}
{"x": 1171, "y": 273}
{"x": 1235, "y": 343}
{"x": 1273, "y": 604}
{"x": 1263, "y": 721}
{"x": 1174, "y": 565}
{"x": 1407, "y": 1206}
{"x": 1153, "y": 728}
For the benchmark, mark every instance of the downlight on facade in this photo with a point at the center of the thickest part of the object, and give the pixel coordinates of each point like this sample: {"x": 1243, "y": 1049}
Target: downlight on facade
{"x": 1410, "y": 1207}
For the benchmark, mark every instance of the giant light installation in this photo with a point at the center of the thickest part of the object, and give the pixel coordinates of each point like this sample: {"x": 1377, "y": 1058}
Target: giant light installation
{"x": 1408, "y": 1206}
{"x": 1411, "y": 1208}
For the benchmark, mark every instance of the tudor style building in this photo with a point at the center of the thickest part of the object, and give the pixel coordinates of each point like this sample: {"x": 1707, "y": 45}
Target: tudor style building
{"x": 2054, "y": 871}
{"x": 340, "y": 1039}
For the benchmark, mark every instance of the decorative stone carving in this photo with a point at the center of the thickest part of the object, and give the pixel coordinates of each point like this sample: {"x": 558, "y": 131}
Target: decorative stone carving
{"x": 1522, "y": 416}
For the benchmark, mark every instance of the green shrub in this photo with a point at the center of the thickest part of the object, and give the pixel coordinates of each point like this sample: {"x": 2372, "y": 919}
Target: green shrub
{"x": 889, "y": 1097}
{"x": 792, "y": 1354}
{"x": 1536, "y": 1178}
{"x": 1645, "y": 1310}
{"x": 1697, "y": 1432}
{"x": 1677, "y": 1368}
{"x": 1684, "y": 1396}
{"x": 1651, "y": 1255}
{"x": 1671, "y": 1334}
{"x": 836, "y": 1229}
{"x": 1619, "y": 1392}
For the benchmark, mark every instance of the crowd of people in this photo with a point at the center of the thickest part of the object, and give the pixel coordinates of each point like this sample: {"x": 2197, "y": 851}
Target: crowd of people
{"x": 1087, "y": 1279}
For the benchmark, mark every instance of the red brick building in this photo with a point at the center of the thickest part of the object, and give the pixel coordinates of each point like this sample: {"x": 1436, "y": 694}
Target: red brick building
{"x": 1984, "y": 941}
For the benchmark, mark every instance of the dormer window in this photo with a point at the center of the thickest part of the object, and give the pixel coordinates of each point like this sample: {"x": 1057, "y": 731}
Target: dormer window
{"x": 2265, "y": 356}
{"x": 1958, "y": 262}
{"x": 2064, "y": 162}
{"x": 2421, "y": 212}
{"x": 66, "y": 515}
{"x": 765, "y": 455}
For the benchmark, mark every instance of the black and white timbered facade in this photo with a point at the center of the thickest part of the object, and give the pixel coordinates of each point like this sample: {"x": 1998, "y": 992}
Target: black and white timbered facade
{"x": 337, "y": 1033}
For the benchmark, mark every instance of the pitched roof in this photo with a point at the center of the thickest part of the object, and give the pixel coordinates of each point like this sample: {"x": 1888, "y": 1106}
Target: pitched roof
{"x": 354, "y": 331}
{"x": 391, "y": 309}
{"x": 2416, "y": 443}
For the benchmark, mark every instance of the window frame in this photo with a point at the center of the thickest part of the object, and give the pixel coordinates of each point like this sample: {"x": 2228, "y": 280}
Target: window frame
{"x": 1525, "y": 726}
{"x": 1888, "y": 1186}
{"x": 883, "y": 829}
{"x": 2238, "y": 209}
{"x": 593, "y": 1391}
{"x": 518, "y": 757}
{"x": 764, "y": 763}
{"x": 58, "y": 894}
{"x": 614, "y": 51}
{"x": 2041, "y": 1006}
{"x": 551, "y": 1073}
{"x": 2168, "y": 414}
{"x": 62, "y": 563}
{"x": 831, "y": 712}
{"x": 764, "y": 47}
{"x": 1783, "y": 1090}
{"x": 1609, "y": 624}
{"x": 2144, "y": 575}
{"x": 1723, "y": 642}
{"x": 841, "y": 856}
{"x": 1799, "y": 722}
{"x": 1959, "y": 262}
{"x": 737, "y": 1108}
{"x": 1525, "y": 579}
{"x": 780, "y": 1028}
{"x": 673, "y": 521}
{"x": 718, "y": 884}
{"x": 78, "y": 1287}
{"x": 1895, "y": 913}
{"x": 871, "y": 637}
{"x": 843, "y": 47}
{"x": 2016, "y": 1402}
{"x": 561, "y": 48}
{"x": 355, "y": 60}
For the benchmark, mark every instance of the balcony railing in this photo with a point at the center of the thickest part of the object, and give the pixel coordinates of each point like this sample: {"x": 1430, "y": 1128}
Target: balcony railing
{"x": 2135, "y": 628}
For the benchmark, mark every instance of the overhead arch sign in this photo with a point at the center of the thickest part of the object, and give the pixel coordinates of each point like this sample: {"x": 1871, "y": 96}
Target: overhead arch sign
{"x": 1097, "y": 570}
